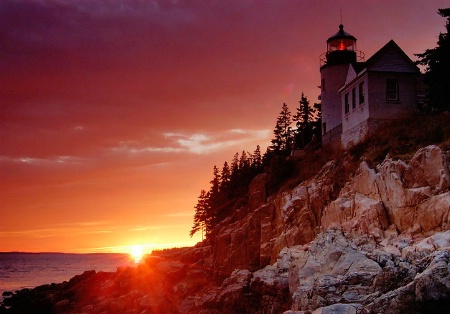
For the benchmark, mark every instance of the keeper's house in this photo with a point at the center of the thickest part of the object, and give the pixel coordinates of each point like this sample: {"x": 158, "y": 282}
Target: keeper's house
{"x": 358, "y": 95}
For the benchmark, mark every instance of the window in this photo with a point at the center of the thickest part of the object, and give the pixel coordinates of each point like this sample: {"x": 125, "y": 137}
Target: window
{"x": 323, "y": 84}
{"x": 361, "y": 93}
{"x": 391, "y": 89}
{"x": 353, "y": 98}
{"x": 346, "y": 104}
{"x": 324, "y": 128}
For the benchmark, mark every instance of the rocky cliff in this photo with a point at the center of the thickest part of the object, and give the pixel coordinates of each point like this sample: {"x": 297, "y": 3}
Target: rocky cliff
{"x": 378, "y": 242}
{"x": 381, "y": 239}
{"x": 393, "y": 198}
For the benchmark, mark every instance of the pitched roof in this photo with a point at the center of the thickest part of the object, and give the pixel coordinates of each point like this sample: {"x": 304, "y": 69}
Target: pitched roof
{"x": 390, "y": 58}
{"x": 391, "y": 45}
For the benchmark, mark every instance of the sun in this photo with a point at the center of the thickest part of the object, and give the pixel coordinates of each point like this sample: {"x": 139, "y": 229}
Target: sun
{"x": 137, "y": 253}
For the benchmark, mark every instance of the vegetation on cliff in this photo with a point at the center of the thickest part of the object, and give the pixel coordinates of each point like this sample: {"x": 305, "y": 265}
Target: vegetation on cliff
{"x": 229, "y": 186}
{"x": 398, "y": 139}
{"x": 437, "y": 68}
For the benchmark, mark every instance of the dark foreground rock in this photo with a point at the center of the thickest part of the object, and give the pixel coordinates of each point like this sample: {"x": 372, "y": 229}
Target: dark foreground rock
{"x": 156, "y": 286}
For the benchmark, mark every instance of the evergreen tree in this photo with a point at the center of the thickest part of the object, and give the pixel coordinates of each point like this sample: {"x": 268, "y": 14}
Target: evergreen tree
{"x": 257, "y": 159}
{"x": 249, "y": 159}
{"x": 437, "y": 71}
{"x": 243, "y": 161}
{"x": 268, "y": 155}
{"x": 201, "y": 219}
{"x": 304, "y": 117}
{"x": 281, "y": 144}
{"x": 317, "y": 125}
{"x": 214, "y": 195}
{"x": 318, "y": 111}
{"x": 225, "y": 177}
{"x": 245, "y": 171}
{"x": 235, "y": 165}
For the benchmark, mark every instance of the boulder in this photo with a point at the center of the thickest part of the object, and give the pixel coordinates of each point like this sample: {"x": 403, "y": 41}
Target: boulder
{"x": 331, "y": 270}
{"x": 428, "y": 167}
{"x": 434, "y": 214}
{"x": 364, "y": 182}
{"x": 357, "y": 214}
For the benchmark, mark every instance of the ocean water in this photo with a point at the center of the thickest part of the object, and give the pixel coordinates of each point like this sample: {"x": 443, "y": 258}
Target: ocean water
{"x": 28, "y": 270}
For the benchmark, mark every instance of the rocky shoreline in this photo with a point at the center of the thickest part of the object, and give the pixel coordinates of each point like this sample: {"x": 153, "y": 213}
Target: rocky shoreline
{"x": 335, "y": 273}
{"x": 377, "y": 243}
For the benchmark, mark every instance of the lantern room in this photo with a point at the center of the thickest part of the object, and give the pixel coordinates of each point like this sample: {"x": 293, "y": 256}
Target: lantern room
{"x": 341, "y": 41}
{"x": 341, "y": 49}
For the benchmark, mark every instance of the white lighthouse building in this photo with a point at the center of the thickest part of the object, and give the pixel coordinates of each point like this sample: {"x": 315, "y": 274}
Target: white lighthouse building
{"x": 357, "y": 95}
{"x": 341, "y": 52}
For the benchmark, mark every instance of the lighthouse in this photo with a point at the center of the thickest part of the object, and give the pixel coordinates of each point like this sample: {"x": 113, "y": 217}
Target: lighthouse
{"x": 334, "y": 64}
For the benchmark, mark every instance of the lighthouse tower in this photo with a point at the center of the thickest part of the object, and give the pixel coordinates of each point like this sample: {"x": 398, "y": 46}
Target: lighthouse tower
{"x": 334, "y": 63}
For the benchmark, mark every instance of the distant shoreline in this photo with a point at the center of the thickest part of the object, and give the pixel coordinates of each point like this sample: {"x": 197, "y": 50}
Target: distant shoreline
{"x": 67, "y": 253}
{"x": 20, "y": 270}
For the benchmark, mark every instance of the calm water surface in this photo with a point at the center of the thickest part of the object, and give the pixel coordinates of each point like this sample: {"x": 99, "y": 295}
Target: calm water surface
{"x": 27, "y": 270}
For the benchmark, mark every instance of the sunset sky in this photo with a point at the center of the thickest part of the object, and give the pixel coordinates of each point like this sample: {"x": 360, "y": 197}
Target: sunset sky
{"x": 113, "y": 113}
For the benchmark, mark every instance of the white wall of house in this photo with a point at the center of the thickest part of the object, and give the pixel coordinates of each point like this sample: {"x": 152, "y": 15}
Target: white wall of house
{"x": 357, "y": 111}
{"x": 353, "y": 127}
{"x": 362, "y": 119}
